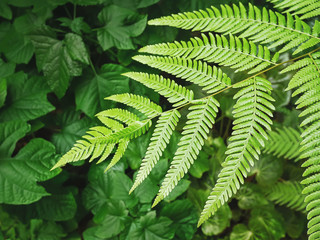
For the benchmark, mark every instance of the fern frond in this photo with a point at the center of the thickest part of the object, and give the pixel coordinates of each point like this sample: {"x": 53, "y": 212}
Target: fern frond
{"x": 100, "y": 141}
{"x": 142, "y": 104}
{"x": 288, "y": 193}
{"x": 306, "y": 8}
{"x": 159, "y": 140}
{"x": 175, "y": 93}
{"x": 260, "y": 26}
{"x": 123, "y": 144}
{"x": 252, "y": 114}
{"x": 306, "y": 81}
{"x": 200, "y": 119}
{"x": 121, "y": 115}
{"x": 232, "y": 51}
{"x": 284, "y": 142}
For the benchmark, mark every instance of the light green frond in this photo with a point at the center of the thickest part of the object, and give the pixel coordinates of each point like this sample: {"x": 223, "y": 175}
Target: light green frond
{"x": 140, "y": 103}
{"x": 200, "y": 120}
{"x": 306, "y": 8}
{"x": 226, "y": 51}
{"x": 82, "y": 149}
{"x": 288, "y": 193}
{"x": 284, "y": 142}
{"x": 111, "y": 123}
{"x": 123, "y": 144}
{"x": 175, "y": 93}
{"x": 159, "y": 140}
{"x": 252, "y": 114}
{"x": 306, "y": 82}
{"x": 100, "y": 141}
{"x": 258, "y": 25}
{"x": 121, "y": 115}
{"x": 211, "y": 78}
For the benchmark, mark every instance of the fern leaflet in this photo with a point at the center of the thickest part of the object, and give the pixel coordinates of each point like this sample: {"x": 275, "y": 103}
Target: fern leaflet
{"x": 307, "y": 80}
{"x": 233, "y": 51}
{"x": 260, "y": 26}
{"x": 284, "y": 143}
{"x": 159, "y": 140}
{"x": 288, "y": 193}
{"x": 306, "y": 8}
{"x": 200, "y": 119}
{"x": 176, "y": 94}
{"x": 252, "y": 114}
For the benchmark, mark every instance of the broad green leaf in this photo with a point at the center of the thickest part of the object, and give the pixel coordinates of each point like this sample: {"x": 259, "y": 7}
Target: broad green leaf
{"x": 184, "y": 217}
{"x": 76, "y": 25}
{"x": 111, "y": 219}
{"x": 10, "y": 133}
{"x": 147, "y": 190}
{"x": 104, "y": 186}
{"x": 16, "y": 47}
{"x": 133, "y": 4}
{"x": 120, "y": 25}
{"x": 241, "y": 232}
{"x": 267, "y": 170}
{"x": 249, "y": 196}
{"x": 266, "y": 224}
{"x": 218, "y": 223}
{"x": 182, "y": 186}
{"x": 91, "y": 92}
{"x": 21, "y": 173}
{"x": 76, "y": 48}
{"x": 3, "y": 91}
{"x": 5, "y": 10}
{"x": 71, "y": 128}
{"x": 198, "y": 197}
{"x": 150, "y": 227}
{"x": 26, "y": 99}
{"x": 200, "y": 166}
{"x": 6, "y": 69}
{"x": 46, "y": 230}
{"x": 58, "y": 207}
{"x": 54, "y": 59}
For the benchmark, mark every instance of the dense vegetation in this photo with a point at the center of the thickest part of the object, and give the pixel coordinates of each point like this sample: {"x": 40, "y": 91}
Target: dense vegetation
{"x": 209, "y": 130}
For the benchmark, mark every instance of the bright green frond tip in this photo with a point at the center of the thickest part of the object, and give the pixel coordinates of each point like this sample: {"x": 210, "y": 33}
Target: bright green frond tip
{"x": 159, "y": 140}
{"x": 258, "y": 25}
{"x": 252, "y": 114}
{"x": 200, "y": 120}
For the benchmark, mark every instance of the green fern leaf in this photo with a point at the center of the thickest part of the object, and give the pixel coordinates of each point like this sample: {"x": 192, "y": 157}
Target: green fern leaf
{"x": 121, "y": 115}
{"x": 306, "y": 81}
{"x": 176, "y": 94}
{"x": 233, "y": 52}
{"x": 252, "y": 114}
{"x": 258, "y": 25}
{"x": 159, "y": 140}
{"x": 198, "y": 72}
{"x": 123, "y": 144}
{"x": 200, "y": 119}
{"x": 284, "y": 142}
{"x": 306, "y": 8}
{"x": 140, "y": 103}
{"x": 288, "y": 193}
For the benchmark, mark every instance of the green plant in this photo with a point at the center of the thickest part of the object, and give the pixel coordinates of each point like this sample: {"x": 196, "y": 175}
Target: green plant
{"x": 190, "y": 60}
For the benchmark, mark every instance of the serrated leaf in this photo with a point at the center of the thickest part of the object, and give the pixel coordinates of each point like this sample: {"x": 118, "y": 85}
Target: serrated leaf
{"x": 120, "y": 25}
{"x": 91, "y": 92}
{"x": 241, "y": 232}
{"x": 5, "y": 10}
{"x": 6, "y": 69}
{"x": 10, "y": 133}
{"x": 76, "y": 48}
{"x": 150, "y": 227}
{"x": 26, "y": 99}
{"x": 21, "y": 173}
{"x": 45, "y": 230}
{"x": 3, "y": 91}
